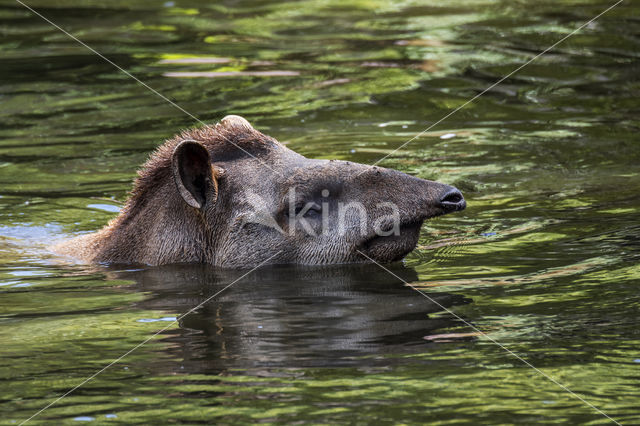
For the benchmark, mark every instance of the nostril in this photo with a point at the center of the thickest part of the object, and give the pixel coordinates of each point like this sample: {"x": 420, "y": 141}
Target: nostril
{"x": 453, "y": 197}
{"x": 453, "y": 201}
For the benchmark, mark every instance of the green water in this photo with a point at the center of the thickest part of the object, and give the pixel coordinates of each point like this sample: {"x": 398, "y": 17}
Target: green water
{"x": 545, "y": 260}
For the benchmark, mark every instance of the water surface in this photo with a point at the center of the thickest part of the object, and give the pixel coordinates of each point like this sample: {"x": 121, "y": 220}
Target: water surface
{"x": 545, "y": 260}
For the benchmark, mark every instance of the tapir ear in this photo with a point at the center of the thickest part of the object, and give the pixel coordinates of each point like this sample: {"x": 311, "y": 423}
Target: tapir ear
{"x": 192, "y": 173}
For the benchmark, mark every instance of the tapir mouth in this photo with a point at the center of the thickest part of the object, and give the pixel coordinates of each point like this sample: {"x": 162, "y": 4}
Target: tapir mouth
{"x": 394, "y": 247}
{"x": 390, "y": 247}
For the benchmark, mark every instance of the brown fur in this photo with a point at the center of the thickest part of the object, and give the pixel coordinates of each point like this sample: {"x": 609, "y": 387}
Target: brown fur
{"x": 158, "y": 225}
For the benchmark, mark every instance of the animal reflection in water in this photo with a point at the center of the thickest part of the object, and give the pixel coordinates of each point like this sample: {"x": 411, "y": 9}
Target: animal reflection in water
{"x": 292, "y": 315}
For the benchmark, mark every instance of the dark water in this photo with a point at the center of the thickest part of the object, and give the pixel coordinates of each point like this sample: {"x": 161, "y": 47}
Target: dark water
{"x": 545, "y": 260}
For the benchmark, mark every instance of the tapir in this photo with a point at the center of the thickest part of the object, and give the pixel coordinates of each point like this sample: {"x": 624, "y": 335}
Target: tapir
{"x": 231, "y": 196}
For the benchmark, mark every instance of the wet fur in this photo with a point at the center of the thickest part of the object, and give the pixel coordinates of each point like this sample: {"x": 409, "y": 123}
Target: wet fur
{"x": 157, "y": 226}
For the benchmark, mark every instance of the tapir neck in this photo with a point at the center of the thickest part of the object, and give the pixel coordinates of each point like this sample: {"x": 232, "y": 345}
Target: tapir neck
{"x": 168, "y": 231}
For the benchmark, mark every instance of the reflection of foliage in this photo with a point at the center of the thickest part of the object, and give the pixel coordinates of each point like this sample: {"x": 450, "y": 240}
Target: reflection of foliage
{"x": 548, "y": 248}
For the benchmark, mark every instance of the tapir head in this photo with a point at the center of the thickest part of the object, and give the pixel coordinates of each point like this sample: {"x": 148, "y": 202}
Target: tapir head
{"x": 231, "y": 196}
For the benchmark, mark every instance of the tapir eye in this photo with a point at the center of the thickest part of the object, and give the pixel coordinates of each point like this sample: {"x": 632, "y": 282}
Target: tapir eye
{"x": 315, "y": 209}
{"x": 308, "y": 209}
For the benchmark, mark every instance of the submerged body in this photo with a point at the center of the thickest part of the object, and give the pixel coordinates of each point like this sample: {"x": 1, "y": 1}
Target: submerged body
{"x": 231, "y": 196}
